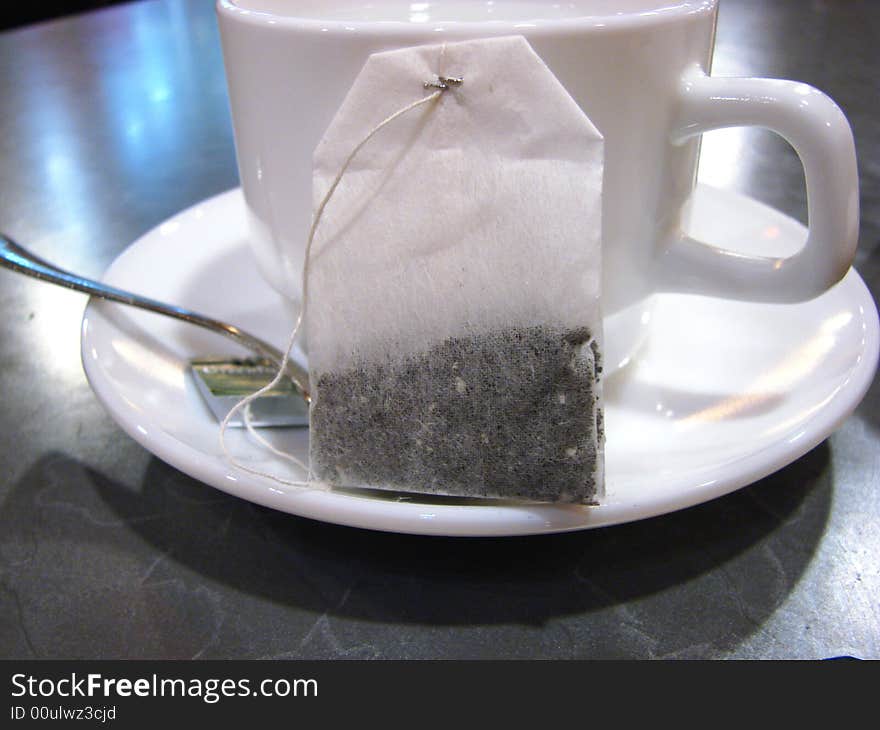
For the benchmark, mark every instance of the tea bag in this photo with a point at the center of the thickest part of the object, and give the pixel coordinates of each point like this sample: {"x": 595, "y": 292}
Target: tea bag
{"x": 453, "y": 321}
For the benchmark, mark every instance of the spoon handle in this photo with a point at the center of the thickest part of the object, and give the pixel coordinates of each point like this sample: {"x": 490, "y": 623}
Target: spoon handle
{"x": 19, "y": 259}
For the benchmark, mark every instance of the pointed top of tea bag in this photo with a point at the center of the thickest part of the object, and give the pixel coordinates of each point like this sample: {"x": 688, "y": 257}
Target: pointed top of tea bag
{"x": 504, "y": 69}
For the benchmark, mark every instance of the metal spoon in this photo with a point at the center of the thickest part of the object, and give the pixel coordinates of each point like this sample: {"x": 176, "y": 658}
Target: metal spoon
{"x": 19, "y": 259}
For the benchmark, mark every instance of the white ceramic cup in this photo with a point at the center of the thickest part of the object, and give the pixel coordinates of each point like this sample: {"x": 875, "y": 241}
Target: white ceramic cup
{"x": 638, "y": 69}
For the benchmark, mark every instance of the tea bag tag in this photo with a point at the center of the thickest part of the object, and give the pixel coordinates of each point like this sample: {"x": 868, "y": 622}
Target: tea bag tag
{"x": 454, "y": 326}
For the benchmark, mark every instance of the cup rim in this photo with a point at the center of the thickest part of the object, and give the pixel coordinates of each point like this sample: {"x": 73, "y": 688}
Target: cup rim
{"x": 627, "y": 21}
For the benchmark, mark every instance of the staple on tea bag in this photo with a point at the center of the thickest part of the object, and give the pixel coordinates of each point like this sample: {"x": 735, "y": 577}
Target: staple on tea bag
{"x": 453, "y": 305}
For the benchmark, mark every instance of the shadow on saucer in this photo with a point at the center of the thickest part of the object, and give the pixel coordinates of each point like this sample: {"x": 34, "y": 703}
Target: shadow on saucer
{"x": 180, "y": 563}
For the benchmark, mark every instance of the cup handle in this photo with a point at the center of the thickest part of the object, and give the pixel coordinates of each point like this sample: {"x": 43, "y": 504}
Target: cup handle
{"x": 819, "y": 132}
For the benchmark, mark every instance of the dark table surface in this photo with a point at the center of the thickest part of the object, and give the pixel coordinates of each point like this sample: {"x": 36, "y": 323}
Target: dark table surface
{"x": 111, "y": 122}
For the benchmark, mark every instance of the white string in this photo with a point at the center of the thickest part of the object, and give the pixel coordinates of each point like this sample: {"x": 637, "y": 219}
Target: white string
{"x": 249, "y": 425}
{"x": 291, "y": 340}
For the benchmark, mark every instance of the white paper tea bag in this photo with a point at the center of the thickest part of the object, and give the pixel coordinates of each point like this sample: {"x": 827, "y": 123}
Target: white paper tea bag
{"x": 453, "y": 320}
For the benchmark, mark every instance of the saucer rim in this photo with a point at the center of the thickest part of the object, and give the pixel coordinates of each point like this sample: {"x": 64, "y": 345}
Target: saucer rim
{"x": 475, "y": 520}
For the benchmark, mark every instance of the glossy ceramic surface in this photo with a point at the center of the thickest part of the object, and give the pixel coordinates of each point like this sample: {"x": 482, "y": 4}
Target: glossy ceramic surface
{"x": 637, "y": 69}
{"x": 722, "y": 394}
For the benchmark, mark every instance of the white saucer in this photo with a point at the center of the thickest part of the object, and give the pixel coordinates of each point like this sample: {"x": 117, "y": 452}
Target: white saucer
{"x": 723, "y": 394}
